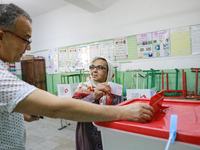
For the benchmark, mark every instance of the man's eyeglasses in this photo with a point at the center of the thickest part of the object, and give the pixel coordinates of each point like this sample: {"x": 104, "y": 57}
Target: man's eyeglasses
{"x": 99, "y": 67}
{"x": 29, "y": 42}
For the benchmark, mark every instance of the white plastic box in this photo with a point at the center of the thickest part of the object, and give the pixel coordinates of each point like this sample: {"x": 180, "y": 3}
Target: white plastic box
{"x": 120, "y": 140}
{"x": 66, "y": 90}
{"x": 137, "y": 93}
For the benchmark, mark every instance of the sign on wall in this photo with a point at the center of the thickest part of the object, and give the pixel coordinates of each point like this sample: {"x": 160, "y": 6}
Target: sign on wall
{"x": 53, "y": 61}
{"x": 161, "y": 44}
{"x": 94, "y": 50}
{"x": 107, "y": 50}
{"x": 195, "y": 37}
{"x": 63, "y": 59}
{"x": 73, "y": 58}
{"x": 121, "y": 52}
{"x": 144, "y": 45}
{"x": 180, "y": 41}
{"x": 83, "y": 57}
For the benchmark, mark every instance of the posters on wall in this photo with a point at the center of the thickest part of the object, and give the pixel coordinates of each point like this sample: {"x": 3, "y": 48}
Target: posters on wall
{"x": 180, "y": 41}
{"x": 78, "y": 57}
{"x": 94, "y": 50}
{"x": 195, "y": 39}
{"x": 53, "y": 61}
{"x": 63, "y": 59}
{"x": 144, "y": 45}
{"x": 107, "y": 50}
{"x": 161, "y": 44}
{"x": 121, "y": 52}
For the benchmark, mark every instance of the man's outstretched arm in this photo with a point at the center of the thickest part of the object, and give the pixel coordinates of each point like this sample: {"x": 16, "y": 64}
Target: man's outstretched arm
{"x": 40, "y": 102}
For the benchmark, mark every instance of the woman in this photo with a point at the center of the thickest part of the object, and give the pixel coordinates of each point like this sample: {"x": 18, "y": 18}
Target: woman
{"x": 102, "y": 71}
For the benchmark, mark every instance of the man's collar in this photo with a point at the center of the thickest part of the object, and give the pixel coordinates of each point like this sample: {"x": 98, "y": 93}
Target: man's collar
{"x": 3, "y": 64}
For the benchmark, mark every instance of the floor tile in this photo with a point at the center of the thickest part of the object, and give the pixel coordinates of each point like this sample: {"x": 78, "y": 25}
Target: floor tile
{"x": 44, "y": 135}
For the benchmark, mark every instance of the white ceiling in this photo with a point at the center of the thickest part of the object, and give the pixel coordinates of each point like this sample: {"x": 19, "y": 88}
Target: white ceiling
{"x": 92, "y": 5}
{"x": 38, "y": 7}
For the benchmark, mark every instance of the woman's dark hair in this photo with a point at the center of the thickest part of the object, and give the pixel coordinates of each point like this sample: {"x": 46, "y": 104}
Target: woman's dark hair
{"x": 9, "y": 13}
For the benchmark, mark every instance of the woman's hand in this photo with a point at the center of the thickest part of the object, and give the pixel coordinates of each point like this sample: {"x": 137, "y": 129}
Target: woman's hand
{"x": 100, "y": 90}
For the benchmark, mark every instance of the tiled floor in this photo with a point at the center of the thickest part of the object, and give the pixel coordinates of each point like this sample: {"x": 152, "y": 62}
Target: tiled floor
{"x": 44, "y": 135}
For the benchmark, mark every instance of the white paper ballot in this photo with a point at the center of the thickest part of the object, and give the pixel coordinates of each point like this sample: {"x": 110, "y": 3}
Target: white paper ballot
{"x": 115, "y": 88}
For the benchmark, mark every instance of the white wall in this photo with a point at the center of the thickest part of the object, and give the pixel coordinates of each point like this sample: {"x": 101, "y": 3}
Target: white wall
{"x": 70, "y": 25}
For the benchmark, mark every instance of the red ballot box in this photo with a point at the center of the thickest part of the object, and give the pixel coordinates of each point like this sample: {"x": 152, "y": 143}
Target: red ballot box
{"x": 153, "y": 135}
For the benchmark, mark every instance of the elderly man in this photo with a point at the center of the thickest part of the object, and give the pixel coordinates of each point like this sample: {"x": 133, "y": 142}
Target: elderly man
{"x": 18, "y": 98}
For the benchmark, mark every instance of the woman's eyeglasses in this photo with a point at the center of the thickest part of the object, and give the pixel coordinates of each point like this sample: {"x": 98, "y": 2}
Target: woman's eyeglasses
{"x": 99, "y": 67}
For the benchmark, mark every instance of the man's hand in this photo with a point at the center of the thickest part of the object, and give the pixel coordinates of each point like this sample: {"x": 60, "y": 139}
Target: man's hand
{"x": 100, "y": 90}
{"x": 137, "y": 112}
{"x": 29, "y": 118}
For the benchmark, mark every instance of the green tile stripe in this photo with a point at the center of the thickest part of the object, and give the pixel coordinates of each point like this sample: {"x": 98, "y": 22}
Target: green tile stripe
{"x": 39, "y": 51}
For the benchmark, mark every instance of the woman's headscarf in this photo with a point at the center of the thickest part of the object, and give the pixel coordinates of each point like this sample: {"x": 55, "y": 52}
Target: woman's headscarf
{"x": 111, "y": 72}
{"x": 86, "y": 88}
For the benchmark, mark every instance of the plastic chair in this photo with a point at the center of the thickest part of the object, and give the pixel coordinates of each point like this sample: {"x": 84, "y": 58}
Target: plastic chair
{"x": 142, "y": 76}
{"x": 196, "y": 83}
{"x": 151, "y": 72}
{"x": 173, "y": 93}
{"x": 137, "y": 75}
{"x": 72, "y": 76}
